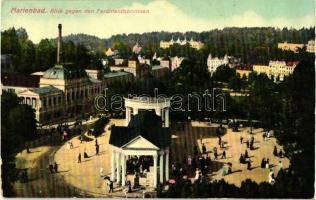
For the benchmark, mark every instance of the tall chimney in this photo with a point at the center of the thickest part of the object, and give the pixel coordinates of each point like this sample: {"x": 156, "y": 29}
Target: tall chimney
{"x": 59, "y": 43}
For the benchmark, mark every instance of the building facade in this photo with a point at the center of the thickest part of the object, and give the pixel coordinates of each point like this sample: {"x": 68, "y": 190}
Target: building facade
{"x": 194, "y": 44}
{"x": 310, "y": 47}
{"x": 290, "y": 46}
{"x": 176, "y": 62}
{"x": 276, "y": 70}
{"x": 214, "y": 62}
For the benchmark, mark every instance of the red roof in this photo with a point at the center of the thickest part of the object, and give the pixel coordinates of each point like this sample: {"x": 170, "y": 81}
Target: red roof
{"x": 291, "y": 63}
{"x": 20, "y": 80}
{"x": 244, "y": 67}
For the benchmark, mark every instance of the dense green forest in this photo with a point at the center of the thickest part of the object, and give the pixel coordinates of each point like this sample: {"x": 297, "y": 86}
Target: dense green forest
{"x": 252, "y": 45}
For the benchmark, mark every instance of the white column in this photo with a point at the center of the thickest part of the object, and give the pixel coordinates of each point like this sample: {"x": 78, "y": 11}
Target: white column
{"x": 167, "y": 117}
{"x": 158, "y": 111}
{"x": 113, "y": 165}
{"x": 161, "y": 167}
{"x": 128, "y": 115}
{"x": 123, "y": 170}
{"x": 167, "y": 165}
{"x": 163, "y": 115}
{"x": 155, "y": 170}
{"x": 135, "y": 111}
{"x": 118, "y": 167}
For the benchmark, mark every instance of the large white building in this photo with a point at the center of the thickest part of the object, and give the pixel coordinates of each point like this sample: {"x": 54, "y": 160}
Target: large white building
{"x": 176, "y": 62}
{"x": 64, "y": 91}
{"x": 277, "y": 70}
{"x": 310, "y": 47}
{"x": 194, "y": 44}
{"x": 214, "y": 62}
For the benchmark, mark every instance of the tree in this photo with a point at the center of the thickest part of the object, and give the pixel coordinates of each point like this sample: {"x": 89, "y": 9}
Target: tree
{"x": 22, "y": 121}
{"x": 99, "y": 125}
{"x": 17, "y": 122}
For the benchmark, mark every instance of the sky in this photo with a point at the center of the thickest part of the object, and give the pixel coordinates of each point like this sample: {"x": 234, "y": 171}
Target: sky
{"x": 160, "y": 15}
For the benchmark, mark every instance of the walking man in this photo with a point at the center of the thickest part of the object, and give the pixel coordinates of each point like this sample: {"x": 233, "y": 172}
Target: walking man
{"x": 79, "y": 158}
{"x": 97, "y": 149}
{"x": 224, "y": 155}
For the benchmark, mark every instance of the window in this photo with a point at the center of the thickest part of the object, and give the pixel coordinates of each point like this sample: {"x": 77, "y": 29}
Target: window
{"x": 44, "y": 103}
{"x": 54, "y": 101}
{"x": 49, "y": 101}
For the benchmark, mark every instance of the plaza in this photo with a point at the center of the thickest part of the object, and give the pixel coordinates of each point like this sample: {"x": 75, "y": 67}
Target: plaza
{"x": 86, "y": 175}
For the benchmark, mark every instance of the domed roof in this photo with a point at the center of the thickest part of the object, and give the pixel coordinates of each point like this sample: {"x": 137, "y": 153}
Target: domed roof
{"x": 65, "y": 71}
{"x": 147, "y": 85}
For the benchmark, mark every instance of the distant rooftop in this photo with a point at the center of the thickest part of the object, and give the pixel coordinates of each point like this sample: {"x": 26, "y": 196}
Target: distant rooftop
{"x": 65, "y": 71}
{"x": 114, "y": 74}
{"x": 156, "y": 67}
{"x": 46, "y": 90}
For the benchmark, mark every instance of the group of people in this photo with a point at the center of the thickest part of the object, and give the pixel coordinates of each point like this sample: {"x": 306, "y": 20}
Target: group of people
{"x": 265, "y": 163}
{"x": 85, "y": 154}
{"x": 249, "y": 143}
{"x": 245, "y": 159}
{"x": 139, "y": 164}
{"x": 276, "y": 153}
{"x": 53, "y": 168}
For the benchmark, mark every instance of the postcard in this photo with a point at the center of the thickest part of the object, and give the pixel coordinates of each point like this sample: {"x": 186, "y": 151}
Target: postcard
{"x": 158, "y": 99}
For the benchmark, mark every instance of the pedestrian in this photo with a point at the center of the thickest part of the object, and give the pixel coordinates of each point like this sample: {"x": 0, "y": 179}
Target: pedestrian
{"x": 203, "y": 149}
{"x": 246, "y": 154}
{"x": 215, "y": 155}
{"x": 242, "y": 159}
{"x": 247, "y": 143}
{"x": 97, "y": 149}
{"x": 28, "y": 149}
{"x": 81, "y": 138}
{"x": 224, "y": 155}
{"x": 263, "y": 163}
{"x": 85, "y": 155}
{"x": 111, "y": 187}
{"x": 275, "y": 151}
{"x": 96, "y": 142}
{"x": 267, "y": 164}
{"x": 51, "y": 168}
{"x": 219, "y": 140}
{"x": 251, "y": 145}
{"x": 79, "y": 158}
{"x": 280, "y": 165}
{"x": 271, "y": 177}
{"x": 56, "y": 167}
{"x": 71, "y": 145}
{"x": 249, "y": 165}
{"x": 264, "y": 136}
{"x": 241, "y": 139}
{"x": 281, "y": 153}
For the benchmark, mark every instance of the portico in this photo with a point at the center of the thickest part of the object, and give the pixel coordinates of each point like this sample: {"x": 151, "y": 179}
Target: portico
{"x": 146, "y": 143}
